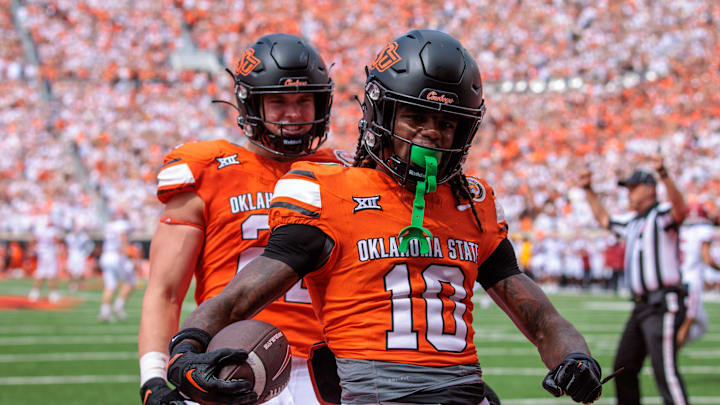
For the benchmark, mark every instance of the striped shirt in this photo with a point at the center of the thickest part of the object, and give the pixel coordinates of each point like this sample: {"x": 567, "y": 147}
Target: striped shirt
{"x": 651, "y": 248}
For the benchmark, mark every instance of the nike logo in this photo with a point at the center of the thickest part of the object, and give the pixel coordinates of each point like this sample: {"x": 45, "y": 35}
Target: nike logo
{"x": 147, "y": 394}
{"x": 188, "y": 375}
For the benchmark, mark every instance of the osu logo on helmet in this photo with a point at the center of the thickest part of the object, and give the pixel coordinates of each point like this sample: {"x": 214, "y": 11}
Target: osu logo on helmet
{"x": 247, "y": 63}
{"x": 386, "y": 58}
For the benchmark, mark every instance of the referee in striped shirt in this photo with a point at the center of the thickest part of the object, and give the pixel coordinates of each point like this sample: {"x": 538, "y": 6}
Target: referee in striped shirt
{"x": 653, "y": 275}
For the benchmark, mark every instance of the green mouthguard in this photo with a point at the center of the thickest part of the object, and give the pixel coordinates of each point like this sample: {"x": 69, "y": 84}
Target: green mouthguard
{"x": 427, "y": 158}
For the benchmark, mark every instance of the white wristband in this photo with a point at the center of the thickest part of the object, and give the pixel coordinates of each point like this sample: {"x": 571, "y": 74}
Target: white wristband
{"x": 153, "y": 364}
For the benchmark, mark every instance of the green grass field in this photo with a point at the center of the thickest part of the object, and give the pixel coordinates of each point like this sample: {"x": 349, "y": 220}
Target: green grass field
{"x": 67, "y": 357}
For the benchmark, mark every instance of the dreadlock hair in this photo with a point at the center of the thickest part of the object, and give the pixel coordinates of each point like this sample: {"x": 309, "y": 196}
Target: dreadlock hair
{"x": 461, "y": 191}
{"x": 362, "y": 157}
{"x": 458, "y": 184}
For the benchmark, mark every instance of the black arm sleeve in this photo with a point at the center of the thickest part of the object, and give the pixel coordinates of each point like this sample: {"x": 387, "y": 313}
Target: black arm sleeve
{"x": 500, "y": 265}
{"x": 305, "y": 248}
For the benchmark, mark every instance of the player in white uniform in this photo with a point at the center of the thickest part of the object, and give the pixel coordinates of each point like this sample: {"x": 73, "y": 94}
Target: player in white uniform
{"x": 696, "y": 234}
{"x": 79, "y": 248}
{"x": 116, "y": 268}
{"x": 553, "y": 259}
{"x": 46, "y": 235}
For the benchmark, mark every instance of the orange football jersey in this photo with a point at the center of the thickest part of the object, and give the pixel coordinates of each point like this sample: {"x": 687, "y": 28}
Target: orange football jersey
{"x": 374, "y": 301}
{"x": 236, "y": 186}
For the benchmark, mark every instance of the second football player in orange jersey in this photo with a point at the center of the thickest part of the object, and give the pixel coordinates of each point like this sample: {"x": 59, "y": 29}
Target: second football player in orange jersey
{"x": 217, "y": 195}
{"x": 395, "y": 300}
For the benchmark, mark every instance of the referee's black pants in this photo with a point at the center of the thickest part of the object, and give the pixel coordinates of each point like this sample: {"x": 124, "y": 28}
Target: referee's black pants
{"x": 652, "y": 329}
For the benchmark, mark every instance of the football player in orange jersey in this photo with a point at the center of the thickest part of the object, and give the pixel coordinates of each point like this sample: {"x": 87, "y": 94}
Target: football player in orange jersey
{"x": 395, "y": 303}
{"x": 217, "y": 195}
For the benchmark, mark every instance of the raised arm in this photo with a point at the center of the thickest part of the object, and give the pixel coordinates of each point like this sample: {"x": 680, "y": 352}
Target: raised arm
{"x": 679, "y": 209}
{"x": 598, "y": 210}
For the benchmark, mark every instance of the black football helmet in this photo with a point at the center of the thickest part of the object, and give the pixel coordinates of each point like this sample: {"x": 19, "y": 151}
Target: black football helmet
{"x": 282, "y": 63}
{"x": 430, "y": 70}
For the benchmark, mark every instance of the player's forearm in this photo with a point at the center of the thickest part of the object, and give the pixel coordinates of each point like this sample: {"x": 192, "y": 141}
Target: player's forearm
{"x": 533, "y": 313}
{"x": 558, "y": 339}
{"x": 173, "y": 255}
{"x": 158, "y": 322}
{"x": 259, "y": 283}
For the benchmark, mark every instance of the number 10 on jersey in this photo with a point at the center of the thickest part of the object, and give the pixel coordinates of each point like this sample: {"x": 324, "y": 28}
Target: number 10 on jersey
{"x": 445, "y": 329}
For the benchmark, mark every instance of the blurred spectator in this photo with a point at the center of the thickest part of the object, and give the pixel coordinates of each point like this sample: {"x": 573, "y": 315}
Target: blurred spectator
{"x": 4, "y": 259}
{"x": 568, "y": 84}
{"x": 615, "y": 261}
{"x": 79, "y": 248}
{"x": 118, "y": 271}
{"x": 47, "y": 238}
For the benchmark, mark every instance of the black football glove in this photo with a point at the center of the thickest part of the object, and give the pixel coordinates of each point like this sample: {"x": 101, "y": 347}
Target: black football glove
{"x": 155, "y": 391}
{"x": 194, "y": 373}
{"x": 577, "y": 376}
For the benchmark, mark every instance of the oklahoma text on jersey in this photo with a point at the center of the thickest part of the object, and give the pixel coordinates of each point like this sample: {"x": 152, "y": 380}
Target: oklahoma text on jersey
{"x": 236, "y": 187}
{"x": 387, "y": 247}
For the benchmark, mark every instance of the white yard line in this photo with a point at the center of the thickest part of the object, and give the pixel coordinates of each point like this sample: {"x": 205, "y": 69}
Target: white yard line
{"x": 124, "y": 328}
{"x": 67, "y": 340}
{"x": 482, "y": 353}
{"x": 70, "y": 356}
{"x": 602, "y": 401}
{"x": 597, "y": 349}
{"x": 124, "y": 379}
{"x": 542, "y": 371}
{"x": 76, "y": 379}
{"x": 517, "y": 371}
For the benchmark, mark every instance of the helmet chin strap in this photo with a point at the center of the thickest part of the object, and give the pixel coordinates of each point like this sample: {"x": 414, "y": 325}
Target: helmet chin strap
{"x": 427, "y": 158}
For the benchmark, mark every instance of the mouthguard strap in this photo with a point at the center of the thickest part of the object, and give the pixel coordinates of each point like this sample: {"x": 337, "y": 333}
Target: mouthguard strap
{"x": 427, "y": 158}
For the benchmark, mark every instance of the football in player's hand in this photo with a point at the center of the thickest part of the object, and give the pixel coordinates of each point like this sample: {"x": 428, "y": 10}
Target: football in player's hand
{"x": 268, "y": 364}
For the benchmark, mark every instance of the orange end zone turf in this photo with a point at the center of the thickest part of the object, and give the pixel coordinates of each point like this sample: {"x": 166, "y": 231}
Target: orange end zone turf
{"x": 15, "y": 302}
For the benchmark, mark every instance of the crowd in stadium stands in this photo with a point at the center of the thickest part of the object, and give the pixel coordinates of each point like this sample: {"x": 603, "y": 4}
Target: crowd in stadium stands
{"x": 116, "y": 105}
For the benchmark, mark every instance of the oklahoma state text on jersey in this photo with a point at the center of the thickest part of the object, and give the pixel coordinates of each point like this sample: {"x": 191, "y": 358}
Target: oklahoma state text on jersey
{"x": 236, "y": 186}
{"x": 375, "y": 302}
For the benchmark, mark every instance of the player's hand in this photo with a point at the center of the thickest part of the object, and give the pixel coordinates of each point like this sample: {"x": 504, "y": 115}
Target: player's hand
{"x": 657, "y": 162}
{"x": 584, "y": 178}
{"x": 195, "y": 374}
{"x": 577, "y": 376}
{"x": 155, "y": 391}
